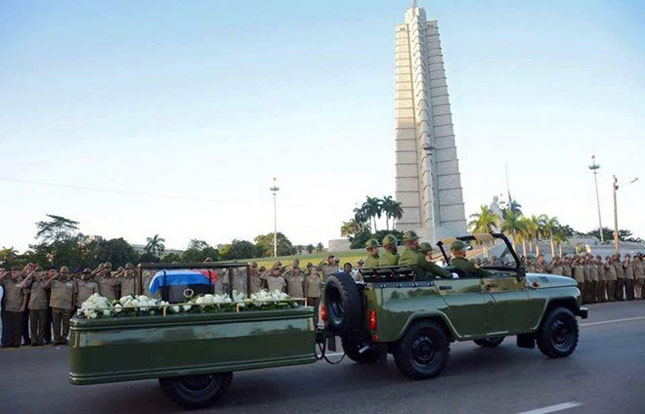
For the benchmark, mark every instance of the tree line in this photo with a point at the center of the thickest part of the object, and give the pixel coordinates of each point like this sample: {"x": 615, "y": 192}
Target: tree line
{"x": 59, "y": 242}
{"x": 365, "y": 219}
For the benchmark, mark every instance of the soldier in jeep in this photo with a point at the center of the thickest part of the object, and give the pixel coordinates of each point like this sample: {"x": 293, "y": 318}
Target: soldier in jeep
{"x": 412, "y": 257}
{"x": 460, "y": 263}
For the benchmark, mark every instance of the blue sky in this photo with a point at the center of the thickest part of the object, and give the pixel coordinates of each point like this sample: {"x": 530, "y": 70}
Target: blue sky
{"x": 207, "y": 101}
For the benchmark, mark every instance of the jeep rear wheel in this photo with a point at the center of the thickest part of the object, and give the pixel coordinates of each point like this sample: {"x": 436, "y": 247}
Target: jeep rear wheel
{"x": 196, "y": 391}
{"x": 353, "y": 345}
{"x": 423, "y": 351}
{"x": 343, "y": 304}
{"x": 489, "y": 342}
{"x": 557, "y": 336}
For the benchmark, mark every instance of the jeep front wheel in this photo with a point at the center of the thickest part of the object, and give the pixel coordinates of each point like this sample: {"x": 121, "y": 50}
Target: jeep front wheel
{"x": 489, "y": 342}
{"x": 558, "y": 333}
{"x": 423, "y": 351}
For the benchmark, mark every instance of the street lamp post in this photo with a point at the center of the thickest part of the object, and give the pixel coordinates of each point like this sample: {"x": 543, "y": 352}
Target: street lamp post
{"x": 615, "y": 188}
{"x": 274, "y": 189}
{"x": 594, "y": 167}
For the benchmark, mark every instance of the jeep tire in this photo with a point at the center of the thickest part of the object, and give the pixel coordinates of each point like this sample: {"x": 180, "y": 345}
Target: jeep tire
{"x": 489, "y": 342}
{"x": 557, "y": 336}
{"x": 352, "y": 344}
{"x": 423, "y": 351}
{"x": 343, "y": 303}
{"x": 196, "y": 391}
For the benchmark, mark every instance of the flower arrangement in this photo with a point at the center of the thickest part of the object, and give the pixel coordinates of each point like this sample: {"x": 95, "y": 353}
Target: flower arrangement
{"x": 97, "y": 306}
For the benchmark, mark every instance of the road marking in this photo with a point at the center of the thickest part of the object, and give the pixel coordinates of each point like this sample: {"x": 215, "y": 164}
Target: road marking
{"x": 636, "y": 318}
{"x": 553, "y": 408}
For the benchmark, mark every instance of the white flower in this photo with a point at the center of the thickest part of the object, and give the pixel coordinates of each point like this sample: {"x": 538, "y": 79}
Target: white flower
{"x": 175, "y": 308}
{"x": 187, "y": 307}
{"x": 118, "y": 308}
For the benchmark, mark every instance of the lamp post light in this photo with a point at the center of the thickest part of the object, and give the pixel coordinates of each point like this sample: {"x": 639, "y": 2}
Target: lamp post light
{"x": 595, "y": 167}
{"x": 615, "y": 188}
{"x": 274, "y": 189}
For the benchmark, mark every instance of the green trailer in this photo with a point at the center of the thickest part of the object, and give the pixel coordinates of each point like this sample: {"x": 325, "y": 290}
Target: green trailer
{"x": 193, "y": 355}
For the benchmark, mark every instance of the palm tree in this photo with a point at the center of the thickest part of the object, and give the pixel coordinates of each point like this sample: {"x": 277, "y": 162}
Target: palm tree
{"x": 484, "y": 222}
{"x": 560, "y": 237}
{"x": 155, "y": 245}
{"x": 350, "y": 228}
{"x": 551, "y": 225}
{"x": 396, "y": 211}
{"x": 512, "y": 225}
{"x": 538, "y": 226}
{"x": 523, "y": 235}
{"x": 372, "y": 208}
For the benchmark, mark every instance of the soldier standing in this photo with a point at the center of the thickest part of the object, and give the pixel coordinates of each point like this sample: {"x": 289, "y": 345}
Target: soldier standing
{"x": 594, "y": 277}
{"x": 295, "y": 280}
{"x": 610, "y": 278}
{"x": 14, "y": 304}
{"x": 540, "y": 266}
{"x": 85, "y": 287}
{"x": 124, "y": 282}
{"x": 555, "y": 266}
{"x": 275, "y": 281}
{"x": 356, "y": 273}
{"x": 312, "y": 288}
{"x": 372, "y": 253}
{"x": 389, "y": 257}
{"x": 579, "y": 275}
{"x": 620, "y": 278}
{"x": 38, "y": 305}
{"x": 602, "y": 281}
{"x": 629, "y": 277}
{"x": 255, "y": 278}
{"x": 639, "y": 275}
{"x": 105, "y": 281}
{"x": 62, "y": 302}
{"x": 328, "y": 267}
{"x": 566, "y": 267}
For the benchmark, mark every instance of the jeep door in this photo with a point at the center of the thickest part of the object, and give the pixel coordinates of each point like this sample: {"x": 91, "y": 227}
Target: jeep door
{"x": 511, "y": 298}
{"x": 471, "y": 311}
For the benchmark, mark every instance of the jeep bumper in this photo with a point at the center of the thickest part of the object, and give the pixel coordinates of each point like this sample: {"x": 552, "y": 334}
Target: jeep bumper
{"x": 582, "y": 312}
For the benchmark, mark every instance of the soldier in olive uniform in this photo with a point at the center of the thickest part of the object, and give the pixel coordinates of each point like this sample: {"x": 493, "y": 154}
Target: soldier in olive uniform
{"x": 639, "y": 275}
{"x": 595, "y": 281}
{"x": 459, "y": 261}
{"x": 389, "y": 256}
{"x": 602, "y": 282}
{"x": 38, "y": 305}
{"x": 555, "y": 266}
{"x": 610, "y": 278}
{"x": 629, "y": 277}
{"x": 620, "y": 277}
{"x": 372, "y": 253}
{"x": 62, "y": 302}
{"x": 255, "y": 278}
{"x": 540, "y": 266}
{"x": 426, "y": 250}
{"x": 14, "y": 304}
{"x": 328, "y": 267}
{"x": 312, "y": 288}
{"x": 295, "y": 280}
{"x": 579, "y": 275}
{"x": 124, "y": 282}
{"x": 104, "y": 279}
{"x": 566, "y": 267}
{"x": 275, "y": 281}
{"x": 412, "y": 257}
{"x": 85, "y": 287}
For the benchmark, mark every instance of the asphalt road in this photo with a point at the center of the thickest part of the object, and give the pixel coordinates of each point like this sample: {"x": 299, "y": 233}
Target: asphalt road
{"x": 606, "y": 374}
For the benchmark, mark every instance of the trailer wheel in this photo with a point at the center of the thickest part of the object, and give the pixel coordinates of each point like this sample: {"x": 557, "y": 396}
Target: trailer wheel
{"x": 196, "y": 391}
{"x": 343, "y": 304}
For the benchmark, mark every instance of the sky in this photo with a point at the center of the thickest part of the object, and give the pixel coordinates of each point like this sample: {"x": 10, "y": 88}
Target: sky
{"x": 143, "y": 117}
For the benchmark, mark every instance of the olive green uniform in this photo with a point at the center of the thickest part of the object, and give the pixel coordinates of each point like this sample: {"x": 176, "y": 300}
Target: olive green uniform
{"x": 639, "y": 275}
{"x": 468, "y": 268}
{"x": 371, "y": 260}
{"x": 38, "y": 306}
{"x": 276, "y": 283}
{"x": 629, "y": 281}
{"x": 327, "y": 269}
{"x": 413, "y": 258}
{"x": 105, "y": 286}
{"x": 62, "y": 304}
{"x": 124, "y": 286}
{"x": 594, "y": 296}
{"x": 85, "y": 289}
{"x": 620, "y": 280}
{"x": 387, "y": 258}
{"x": 295, "y": 283}
{"x": 255, "y": 281}
{"x": 313, "y": 291}
{"x": 11, "y": 303}
{"x": 610, "y": 280}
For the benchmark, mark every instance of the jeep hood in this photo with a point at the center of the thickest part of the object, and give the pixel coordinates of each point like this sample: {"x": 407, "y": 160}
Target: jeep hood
{"x": 547, "y": 281}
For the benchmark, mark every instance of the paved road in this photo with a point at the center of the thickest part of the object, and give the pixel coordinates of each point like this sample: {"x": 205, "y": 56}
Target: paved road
{"x": 606, "y": 374}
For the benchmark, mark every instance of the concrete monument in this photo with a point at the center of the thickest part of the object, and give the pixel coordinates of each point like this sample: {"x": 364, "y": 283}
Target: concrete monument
{"x": 428, "y": 184}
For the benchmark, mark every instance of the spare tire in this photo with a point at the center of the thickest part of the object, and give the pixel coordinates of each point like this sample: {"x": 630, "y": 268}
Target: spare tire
{"x": 343, "y": 303}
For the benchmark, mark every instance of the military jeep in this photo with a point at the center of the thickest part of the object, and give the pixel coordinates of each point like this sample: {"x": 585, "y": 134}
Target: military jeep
{"x": 400, "y": 311}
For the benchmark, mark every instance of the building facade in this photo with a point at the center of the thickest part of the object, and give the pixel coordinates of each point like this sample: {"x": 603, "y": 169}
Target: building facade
{"x": 428, "y": 183}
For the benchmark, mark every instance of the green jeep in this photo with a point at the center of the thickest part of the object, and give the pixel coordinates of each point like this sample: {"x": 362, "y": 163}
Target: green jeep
{"x": 400, "y": 311}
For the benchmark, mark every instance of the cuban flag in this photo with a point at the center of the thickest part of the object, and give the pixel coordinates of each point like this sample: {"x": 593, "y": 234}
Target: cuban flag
{"x": 181, "y": 277}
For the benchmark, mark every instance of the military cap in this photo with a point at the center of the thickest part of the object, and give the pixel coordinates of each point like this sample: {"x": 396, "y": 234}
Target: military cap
{"x": 65, "y": 268}
{"x": 425, "y": 247}
{"x": 371, "y": 243}
{"x": 87, "y": 270}
{"x": 388, "y": 240}
{"x": 410, "y": 236}
{"x": 458, "y": 245}
{"x": 107, "y": 264}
